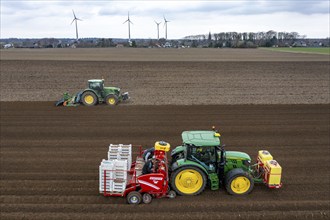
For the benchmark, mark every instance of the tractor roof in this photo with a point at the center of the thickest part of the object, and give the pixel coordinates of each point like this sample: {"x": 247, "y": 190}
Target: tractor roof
{"x": 95, "y": 80}
{"x": 200, "y": 138}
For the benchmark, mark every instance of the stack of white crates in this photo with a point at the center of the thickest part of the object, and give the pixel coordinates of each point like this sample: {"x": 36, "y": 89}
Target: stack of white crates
{"x": 121, "y": 152}
{"x": 115, "y": 169}
{"x": 107, "y": 167}
{"x": 119, "y": 176}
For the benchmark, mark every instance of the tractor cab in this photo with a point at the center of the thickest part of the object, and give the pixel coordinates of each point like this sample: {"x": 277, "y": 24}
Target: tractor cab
{"x": 96, "y": 84}
{"x": 203, "y": 147}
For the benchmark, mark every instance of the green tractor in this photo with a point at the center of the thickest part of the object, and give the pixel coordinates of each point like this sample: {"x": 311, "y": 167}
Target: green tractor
{"x": 201, "y": 161}
{"x": 94, "y": 94}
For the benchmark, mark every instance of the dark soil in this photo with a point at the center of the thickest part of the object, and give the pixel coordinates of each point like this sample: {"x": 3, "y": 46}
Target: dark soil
{"x": 50, "y": 158}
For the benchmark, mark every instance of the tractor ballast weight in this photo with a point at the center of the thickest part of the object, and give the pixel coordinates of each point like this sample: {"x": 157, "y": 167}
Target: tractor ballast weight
{"x": 202, "y": 159}
{"x": 95, "y": 93}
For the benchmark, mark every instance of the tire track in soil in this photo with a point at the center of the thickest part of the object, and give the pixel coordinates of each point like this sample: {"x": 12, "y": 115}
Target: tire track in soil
{"x": 49, "y": 159}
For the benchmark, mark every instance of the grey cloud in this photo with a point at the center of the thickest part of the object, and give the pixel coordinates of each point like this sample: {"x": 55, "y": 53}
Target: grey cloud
{"x": 263, "y": 7}
{"x": 110, "y": 8}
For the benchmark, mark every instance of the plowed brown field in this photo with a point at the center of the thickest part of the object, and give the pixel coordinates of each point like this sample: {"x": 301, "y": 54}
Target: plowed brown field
{"x": 175, "y": 77}
{"x": 50, "y": 158}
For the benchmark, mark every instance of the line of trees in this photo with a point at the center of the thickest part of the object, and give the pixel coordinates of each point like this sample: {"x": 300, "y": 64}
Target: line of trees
{"x": 223, "y": 39}
{"x": 246, "y": 39}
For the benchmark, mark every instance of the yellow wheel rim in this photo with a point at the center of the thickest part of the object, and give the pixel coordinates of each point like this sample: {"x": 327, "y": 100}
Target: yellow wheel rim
{"x": 189, "y": 181}
{"x": 89, "y": 99}
{"x": 111, "y": 101}
{"x": 240, "y": 185}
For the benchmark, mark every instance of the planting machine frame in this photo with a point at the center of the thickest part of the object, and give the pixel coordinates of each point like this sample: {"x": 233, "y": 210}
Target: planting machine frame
{"x": 134, "y": 184}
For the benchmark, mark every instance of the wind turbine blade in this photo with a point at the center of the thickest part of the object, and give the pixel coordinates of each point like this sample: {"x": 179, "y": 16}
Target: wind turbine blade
{"x": 125, "y": 21}
{"x": 74, "y": 15}
{"x": 73, "y": 20}
{"x": 79, "y": 19}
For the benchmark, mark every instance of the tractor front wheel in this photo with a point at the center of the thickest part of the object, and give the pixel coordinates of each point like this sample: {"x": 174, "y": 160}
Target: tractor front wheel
{"x": 111, "y": 100}
{"x": 134, "y": 198}
{"x": 89, "y": 98}
{"x": 238, "y": 182}
{"x": 188, "y": 180}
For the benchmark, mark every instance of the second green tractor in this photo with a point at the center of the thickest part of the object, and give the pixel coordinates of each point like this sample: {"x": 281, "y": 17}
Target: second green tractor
{"x": 201, "y": 161}
{"x": 95, "y": 93}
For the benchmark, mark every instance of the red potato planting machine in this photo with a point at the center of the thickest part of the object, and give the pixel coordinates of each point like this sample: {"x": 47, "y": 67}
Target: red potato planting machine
{"x": 135, "y": 181}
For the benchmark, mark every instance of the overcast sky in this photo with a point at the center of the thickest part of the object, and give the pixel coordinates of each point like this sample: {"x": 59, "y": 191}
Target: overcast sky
{"x": 40, "y": 19}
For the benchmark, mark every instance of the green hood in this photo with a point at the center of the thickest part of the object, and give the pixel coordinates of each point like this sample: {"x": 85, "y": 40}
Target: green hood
{"x": 236, "y": 155}
{"x": 112, "y": 88}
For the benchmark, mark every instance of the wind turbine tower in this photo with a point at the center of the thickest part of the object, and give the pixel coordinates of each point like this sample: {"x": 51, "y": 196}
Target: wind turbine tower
{"x": 165, "y": 24}
{"x": 157, "y": 29}
{"x": 75, "y": 19}
{"x": 129, "y": 27}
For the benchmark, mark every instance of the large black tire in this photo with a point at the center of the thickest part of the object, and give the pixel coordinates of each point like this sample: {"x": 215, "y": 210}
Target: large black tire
{"x": 89, "y": 98}
{"x": 188, "y": 180}
{"x": 238, "y": 182}
{"x": 134, "y": 198}
{"x": 111, "y": 100}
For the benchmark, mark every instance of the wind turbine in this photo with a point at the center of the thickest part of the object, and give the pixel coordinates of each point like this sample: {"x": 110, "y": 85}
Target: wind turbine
{"x": 157, "y": 29}
{"x": 129, "y": 27}
{"x": 165, "y": 24}
{"x": 75, "y": 19}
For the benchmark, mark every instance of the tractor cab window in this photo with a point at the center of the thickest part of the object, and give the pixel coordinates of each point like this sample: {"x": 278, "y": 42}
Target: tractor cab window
{"x": 206, "y": 155}
{"x": 96, "y": 86}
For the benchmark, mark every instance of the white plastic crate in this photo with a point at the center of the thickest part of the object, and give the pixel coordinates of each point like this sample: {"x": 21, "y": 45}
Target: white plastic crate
{"x": 121, "y": 152}
{"x": 118, "y": 186}
{"x": 107, "y": 167}
{"x": 116, "y": 175}
{"x": 120, "y": 170}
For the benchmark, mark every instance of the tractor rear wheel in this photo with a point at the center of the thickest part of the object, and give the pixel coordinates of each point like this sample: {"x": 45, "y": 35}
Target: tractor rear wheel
{"x": 188, "y": 180}
{"x": 111, "y": 100}
{"x": 238, "y": 182}
{"x": 134, "y": 198}
{"x": 89, "y": 98}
